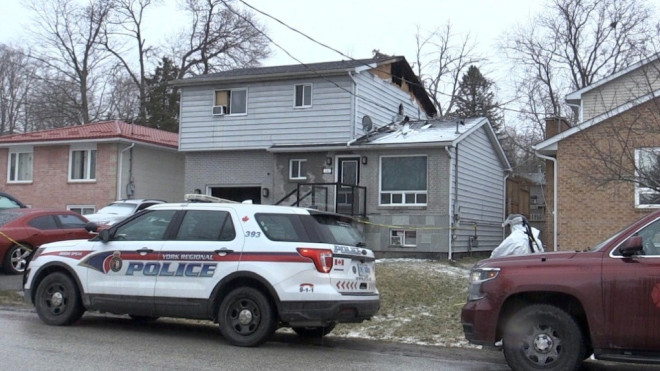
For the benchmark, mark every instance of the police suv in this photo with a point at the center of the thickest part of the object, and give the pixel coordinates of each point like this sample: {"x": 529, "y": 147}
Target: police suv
{"x": 250, "y": 268}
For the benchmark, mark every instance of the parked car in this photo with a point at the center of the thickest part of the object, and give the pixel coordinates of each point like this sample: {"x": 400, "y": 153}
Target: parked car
{"x": 120, "y": 210}
{"x": 250, "y": 268}
{"x": 24, "y": 229}
{"x": 552, "y": 310}
{"x": 8, "y": 201}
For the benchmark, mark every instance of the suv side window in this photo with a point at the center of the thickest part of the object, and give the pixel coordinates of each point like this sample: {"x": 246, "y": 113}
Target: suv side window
{"x": 651, "y": 238}
{"x": 206, "y": 225}
{"x": 150, "y": 226}
{"x": 282, "y": 227}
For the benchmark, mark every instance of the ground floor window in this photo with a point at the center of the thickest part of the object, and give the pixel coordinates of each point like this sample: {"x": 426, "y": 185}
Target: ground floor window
{"x": 403, "y": 180}
{"x": 82, "y": 209}
{"x": 402, "y": 237}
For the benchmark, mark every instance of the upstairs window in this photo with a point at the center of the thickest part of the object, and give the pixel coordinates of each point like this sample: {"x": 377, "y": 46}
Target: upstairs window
{"x": 230, "y": 102}
{"x": 647, "y": 162}
{"x": 303, "y": 95}
{"x": 82, "y": 164}
{"x": 403, "y": 181}
{"x": 297, "y": 169}
{"x": 19, "y": 169}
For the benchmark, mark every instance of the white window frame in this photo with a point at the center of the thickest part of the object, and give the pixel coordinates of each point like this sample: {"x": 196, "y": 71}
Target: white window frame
{"x": 639, "y": 189}
{"x": 88, "y": 149}
{"x": 14, "y": 159}
{"x": 295, "y": 96}
{"x": 404, "y": 194}
{"x": 400, "y": 235}
{"x": 81, "y": 208}
{"x": 297, "y": 165}
{"x": 229, "y": 111}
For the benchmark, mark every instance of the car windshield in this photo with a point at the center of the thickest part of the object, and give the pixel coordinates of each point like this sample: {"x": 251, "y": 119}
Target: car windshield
{"x": 338, "y": 230}
{"x": 8, "y": 216}
{"x": 7, "y": 203}
{"x": 118, "y": 209}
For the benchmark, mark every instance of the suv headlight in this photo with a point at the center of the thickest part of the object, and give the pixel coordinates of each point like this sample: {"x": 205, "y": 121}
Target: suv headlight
{"x": 477, "y": 277}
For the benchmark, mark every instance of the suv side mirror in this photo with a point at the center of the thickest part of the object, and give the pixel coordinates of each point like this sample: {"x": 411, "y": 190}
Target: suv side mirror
{"x": 633, "y": 245}
{"x": 104, "y": 235}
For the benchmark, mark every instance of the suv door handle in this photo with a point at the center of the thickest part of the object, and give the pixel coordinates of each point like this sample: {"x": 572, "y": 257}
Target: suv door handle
{"x": 144, "y": 251}
{"x": 224, "y": 251}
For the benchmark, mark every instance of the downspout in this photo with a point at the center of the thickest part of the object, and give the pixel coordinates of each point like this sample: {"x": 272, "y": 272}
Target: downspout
{"x": 454, "y": 173}
{"x": 121, "y": 161}
{"x": 506, "y": 176}
{"x": 554, "y": 196}
{"x": 353, "y": 111}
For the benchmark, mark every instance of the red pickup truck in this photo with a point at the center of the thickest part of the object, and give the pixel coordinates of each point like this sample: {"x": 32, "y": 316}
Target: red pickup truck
{"x": 553, "y": 310}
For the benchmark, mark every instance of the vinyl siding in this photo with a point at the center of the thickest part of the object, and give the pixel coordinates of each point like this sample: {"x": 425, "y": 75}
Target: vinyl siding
{"x": 270, "y": 119}
{"x": 613, "y": 94}
{"x": 480, "y": 188}
{"x": 380, "y": 100}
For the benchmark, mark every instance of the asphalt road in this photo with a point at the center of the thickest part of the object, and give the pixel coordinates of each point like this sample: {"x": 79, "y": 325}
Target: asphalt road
{"x": 108, "y": 342}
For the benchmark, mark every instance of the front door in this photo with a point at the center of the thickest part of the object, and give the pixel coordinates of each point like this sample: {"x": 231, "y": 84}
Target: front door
{"x": 631, "y": 288}
{"x": 348, "y": 174}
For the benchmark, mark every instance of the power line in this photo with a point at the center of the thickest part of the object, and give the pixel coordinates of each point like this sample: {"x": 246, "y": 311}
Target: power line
{"x": 302, "y": 63}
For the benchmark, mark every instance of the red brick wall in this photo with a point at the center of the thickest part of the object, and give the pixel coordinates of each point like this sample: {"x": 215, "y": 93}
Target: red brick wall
{"x": 50, "y": 186}
{"x": 590, "y": 210}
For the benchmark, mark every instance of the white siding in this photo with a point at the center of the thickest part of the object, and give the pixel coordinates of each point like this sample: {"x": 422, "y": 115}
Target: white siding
{"x": 480, "y": 192}
{"x": 156, "y": 173}
{"x": 271, "y": 117}
{"x": 613, "y": 94}
{"x": 380, "y": 99}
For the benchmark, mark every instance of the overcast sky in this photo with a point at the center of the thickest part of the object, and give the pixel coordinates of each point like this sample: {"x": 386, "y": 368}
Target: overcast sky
{"x": 354, "y": 27}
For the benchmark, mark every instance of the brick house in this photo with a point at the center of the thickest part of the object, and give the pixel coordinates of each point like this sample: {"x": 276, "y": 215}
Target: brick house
{"x": 355, "y": 137}
{"x": 592, "y": 167}
{"x": 83, "y": 168}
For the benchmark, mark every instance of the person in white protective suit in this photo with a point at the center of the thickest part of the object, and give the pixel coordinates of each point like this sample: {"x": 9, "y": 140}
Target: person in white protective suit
{"x": 523, "y": 239}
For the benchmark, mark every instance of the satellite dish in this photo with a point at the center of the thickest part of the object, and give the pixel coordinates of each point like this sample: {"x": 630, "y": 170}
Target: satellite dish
{"x": 367, "y": 124}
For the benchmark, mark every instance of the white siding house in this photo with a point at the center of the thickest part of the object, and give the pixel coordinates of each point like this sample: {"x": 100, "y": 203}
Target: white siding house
{"x": 321, "y": 135}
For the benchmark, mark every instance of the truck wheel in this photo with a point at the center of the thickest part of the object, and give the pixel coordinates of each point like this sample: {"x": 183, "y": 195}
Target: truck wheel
{"x": 16, "y": 259}
{"x": 543, "y": 337}
{"x": 246, "y": 317}
{"x": 314, "y": 332}
{"x": 57, "y": 300}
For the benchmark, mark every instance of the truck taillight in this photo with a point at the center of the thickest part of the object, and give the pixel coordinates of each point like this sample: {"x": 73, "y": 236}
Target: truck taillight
{"x": 322, "y": 258}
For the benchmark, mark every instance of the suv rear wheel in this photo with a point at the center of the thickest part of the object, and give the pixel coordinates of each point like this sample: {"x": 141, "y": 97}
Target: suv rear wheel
{"x": 544, "y": 337}
{"x": 246, "y": 317}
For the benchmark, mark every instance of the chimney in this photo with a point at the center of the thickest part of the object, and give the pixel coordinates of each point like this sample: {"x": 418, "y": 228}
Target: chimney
{"x": 555, "y": 125}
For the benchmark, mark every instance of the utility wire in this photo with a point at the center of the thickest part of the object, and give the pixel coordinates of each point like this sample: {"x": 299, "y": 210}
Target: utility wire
{"x": 303, "y": 64}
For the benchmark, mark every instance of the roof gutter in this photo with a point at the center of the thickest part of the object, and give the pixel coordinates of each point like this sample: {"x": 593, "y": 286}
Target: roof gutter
{"x": 554, "y": 196}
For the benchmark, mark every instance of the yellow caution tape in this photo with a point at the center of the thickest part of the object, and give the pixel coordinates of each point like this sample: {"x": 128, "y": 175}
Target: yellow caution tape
{"x": 15, "y": 242}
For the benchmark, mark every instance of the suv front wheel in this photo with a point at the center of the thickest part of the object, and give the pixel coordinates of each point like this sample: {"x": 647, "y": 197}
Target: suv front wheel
{"x": 544, "y": 337}
{"x": 246, "y": 317}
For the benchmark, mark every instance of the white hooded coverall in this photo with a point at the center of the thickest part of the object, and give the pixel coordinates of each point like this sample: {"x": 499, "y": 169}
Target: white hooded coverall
{"x": 517, "y": 243}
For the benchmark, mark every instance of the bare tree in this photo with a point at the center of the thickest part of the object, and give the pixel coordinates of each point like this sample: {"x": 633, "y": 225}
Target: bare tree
{"x": 625, "y": 148}
{"x": 572, "y": 44}
{"x": 125, "y": 24}
{"x": 68, "y": 47}
{"x": 220, "y": 37}
{"x": 16, "y": 79}
{"x": 440, "y": 63}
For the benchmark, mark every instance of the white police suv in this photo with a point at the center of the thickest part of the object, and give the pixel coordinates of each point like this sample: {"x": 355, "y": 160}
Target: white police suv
{"x": 250, "y": 268}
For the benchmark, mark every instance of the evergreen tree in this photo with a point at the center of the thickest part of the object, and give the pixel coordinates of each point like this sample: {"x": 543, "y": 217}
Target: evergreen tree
{"x": 162, "y": 99}
{"x": 475, "y": 98}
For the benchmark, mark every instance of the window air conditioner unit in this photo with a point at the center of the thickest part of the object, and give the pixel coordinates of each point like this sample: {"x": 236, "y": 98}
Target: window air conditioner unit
{"x": 395, "y": 240}
{"x": 219, "y": 110}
